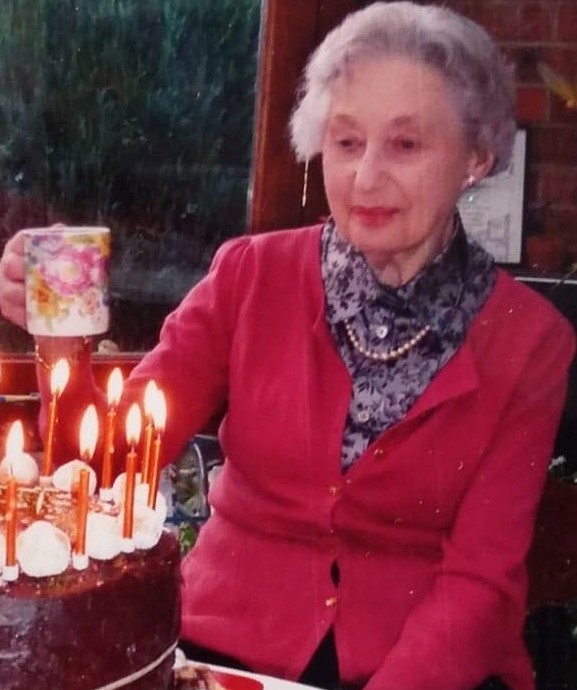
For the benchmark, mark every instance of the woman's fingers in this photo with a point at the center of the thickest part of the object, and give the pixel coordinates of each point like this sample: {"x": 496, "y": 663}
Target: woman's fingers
{"x": 12, "y": 293}
{"x": 14, "y": 313}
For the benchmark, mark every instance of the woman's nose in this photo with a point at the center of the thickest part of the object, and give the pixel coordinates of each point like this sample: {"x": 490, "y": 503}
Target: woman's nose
{"x": 370, "y": 170}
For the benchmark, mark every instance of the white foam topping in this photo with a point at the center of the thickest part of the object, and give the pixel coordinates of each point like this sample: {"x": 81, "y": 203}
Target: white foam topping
{"x": 147, "y": 526}
{"x": 66, "y": 476}
{"x": 119, "y": 486}
{"x": 102, "y": 536}
{"x": 141, "y": 498}
{"x": 43, "y": 550}
{"x": 22, "y": 466}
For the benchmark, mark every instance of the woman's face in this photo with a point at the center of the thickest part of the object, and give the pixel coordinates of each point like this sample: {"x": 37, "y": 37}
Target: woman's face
{"x": 395, "y": 160}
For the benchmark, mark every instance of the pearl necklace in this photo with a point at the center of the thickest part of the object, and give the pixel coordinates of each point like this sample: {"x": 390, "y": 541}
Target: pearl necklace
{"x": 390, "y": 355}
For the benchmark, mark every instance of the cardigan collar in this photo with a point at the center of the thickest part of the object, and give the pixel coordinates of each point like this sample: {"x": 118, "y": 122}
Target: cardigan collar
{"x": 429, "y": 297}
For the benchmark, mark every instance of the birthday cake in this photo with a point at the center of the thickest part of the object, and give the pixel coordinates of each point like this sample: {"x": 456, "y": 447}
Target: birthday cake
{"x": 111, "y": 623}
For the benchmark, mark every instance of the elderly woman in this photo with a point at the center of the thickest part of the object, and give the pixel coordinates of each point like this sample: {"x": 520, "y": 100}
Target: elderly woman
{"x": 392, "y": 397}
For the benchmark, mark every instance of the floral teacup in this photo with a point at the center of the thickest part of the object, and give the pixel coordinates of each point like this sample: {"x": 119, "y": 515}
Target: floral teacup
{"x": 67, "y": 280}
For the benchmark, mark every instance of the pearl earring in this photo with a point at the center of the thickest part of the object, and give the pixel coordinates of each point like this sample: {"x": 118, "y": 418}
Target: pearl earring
{"x": 471, "y": 180}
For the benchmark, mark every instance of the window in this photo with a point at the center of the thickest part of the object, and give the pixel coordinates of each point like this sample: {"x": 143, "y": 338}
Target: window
{"x": 138, "y": 115}
{"x": 157, "y": 118}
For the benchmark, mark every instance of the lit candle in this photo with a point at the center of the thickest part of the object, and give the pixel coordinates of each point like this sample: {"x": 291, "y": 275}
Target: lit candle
{"x": 11, "y": 494}
{"x": 79, "y": 557}
{"x": 10, "y": 570}
{"x": 16, "y": 463}
{"x": 10, "y": 539}
{"x": 88, "y": 437}
{"x": 159, "y": 420}
{"x": 133, "y": 429}
{"x": 88, "y": 433}
{"x": 58, "y": 379}
{"x": 149, "y": 397}
{"x": 114, "y": 391}
{"x": 66, "y": 477}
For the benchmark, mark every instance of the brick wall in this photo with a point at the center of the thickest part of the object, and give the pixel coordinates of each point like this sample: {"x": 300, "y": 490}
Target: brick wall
{"x": 531, "y": 31}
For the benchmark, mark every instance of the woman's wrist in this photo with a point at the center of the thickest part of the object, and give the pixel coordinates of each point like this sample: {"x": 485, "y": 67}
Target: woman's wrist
{"x": 48, "y": 350}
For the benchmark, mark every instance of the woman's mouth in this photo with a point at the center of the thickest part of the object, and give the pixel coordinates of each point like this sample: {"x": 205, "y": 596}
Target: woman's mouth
{"x": 374, "y": 215}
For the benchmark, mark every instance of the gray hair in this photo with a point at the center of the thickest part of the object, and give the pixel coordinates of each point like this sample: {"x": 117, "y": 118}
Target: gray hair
{"x": 478, "y": 76}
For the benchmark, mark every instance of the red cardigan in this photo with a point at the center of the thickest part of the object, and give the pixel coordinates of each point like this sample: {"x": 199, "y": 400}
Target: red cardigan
{"x": 430, "y": 527}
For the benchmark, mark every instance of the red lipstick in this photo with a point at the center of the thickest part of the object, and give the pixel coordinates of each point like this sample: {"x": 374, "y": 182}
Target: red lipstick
{"x": 373, "y": 215}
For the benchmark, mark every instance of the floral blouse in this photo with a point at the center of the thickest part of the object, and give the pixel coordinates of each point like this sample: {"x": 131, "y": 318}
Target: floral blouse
{"x": 446, "y": 295}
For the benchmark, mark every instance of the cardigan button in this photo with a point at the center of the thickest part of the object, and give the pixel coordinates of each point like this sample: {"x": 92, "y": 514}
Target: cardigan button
{"x": 334, "y": 490}
{"x": 379, "y": 453}
{"x": 331, "y": 601}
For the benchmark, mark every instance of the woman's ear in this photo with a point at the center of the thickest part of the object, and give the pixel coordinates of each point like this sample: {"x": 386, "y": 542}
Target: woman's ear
{"x": 481, "y": 164}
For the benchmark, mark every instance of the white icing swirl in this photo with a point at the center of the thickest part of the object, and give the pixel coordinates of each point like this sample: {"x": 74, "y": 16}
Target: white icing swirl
{"x": 141, "y": 498}
{"x": 118, "y": 487}
{"x": 43, "y": 550}
{"x": 67, "y": 475}
{"x": 147, "y": 526}
{"x": 102, "y": 536}
{"x": 22, "y": 466}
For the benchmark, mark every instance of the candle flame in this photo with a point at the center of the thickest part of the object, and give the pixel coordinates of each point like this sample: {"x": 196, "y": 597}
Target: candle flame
{"x": 88, "y": 433}
{"x": 15, "y": 440}
{"x": 133, "y": 424}
{"x": 158, "y": 410}
{"x": 59, "y": 376}
{"x": 115, "y": 384}
{"x": 149, "y": 397}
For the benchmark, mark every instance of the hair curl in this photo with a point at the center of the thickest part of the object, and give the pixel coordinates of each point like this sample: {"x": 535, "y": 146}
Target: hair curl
{"x": 479, "y": 78}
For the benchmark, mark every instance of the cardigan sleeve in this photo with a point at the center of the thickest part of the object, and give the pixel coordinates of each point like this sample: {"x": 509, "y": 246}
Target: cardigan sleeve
{"x": 190, "y": 365}
{"x": 191, "y": 361}
{"x": 460, "y": 632}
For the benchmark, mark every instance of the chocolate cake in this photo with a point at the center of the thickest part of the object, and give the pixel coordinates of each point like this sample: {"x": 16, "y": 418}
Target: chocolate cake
{"x": 112, "y": 625}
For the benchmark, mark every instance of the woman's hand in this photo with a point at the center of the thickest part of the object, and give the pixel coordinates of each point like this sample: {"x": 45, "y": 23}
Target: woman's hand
{"x": 12, "y": 293}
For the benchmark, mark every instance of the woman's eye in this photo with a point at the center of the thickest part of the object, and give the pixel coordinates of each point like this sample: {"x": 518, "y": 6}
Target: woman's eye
{"x": 347, "y": 143}
{"x": 405, "y": 144}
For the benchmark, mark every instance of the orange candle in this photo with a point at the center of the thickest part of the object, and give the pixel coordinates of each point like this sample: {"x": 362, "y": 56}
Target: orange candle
{"x": 47, "y": 467}
{"x": 149, "y": 396}
{"x": 114, "y": 391}
{"x": 159, "y": 420}
{"x": 58, "y": 379}
{"x": 10, "y": 571}
{"x": 11, "y": 494}
{"x": 133, "y": 428}
{"x": 148, "y": 430}
{"x": 106, "y": 479}
{"x": 128, "y": 525}
{"x": 10, "y": 539}
{"x": 154, "y": 473}
{"x": 82, "y": 512}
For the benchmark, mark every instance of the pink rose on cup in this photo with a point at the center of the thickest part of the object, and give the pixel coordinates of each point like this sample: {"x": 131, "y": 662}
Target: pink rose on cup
{"x": 66, "y": 280}
{"x": 73, "y": 270}
{"x": 91, "y": 302}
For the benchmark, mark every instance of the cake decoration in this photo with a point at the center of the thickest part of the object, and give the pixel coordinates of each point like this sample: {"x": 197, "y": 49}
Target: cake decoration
{"x": 16, "y": 463}
{"x": 66, "y": 476}
{"x": 43, "y": 550}
{"x": 80, "y": 610}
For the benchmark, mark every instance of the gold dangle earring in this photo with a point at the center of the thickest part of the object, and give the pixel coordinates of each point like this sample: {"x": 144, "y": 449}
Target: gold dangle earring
{"x": 305, "y": 185}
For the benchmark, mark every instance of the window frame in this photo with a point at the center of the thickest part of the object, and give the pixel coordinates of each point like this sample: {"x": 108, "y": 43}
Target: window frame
{"x": 289, "y": 33}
